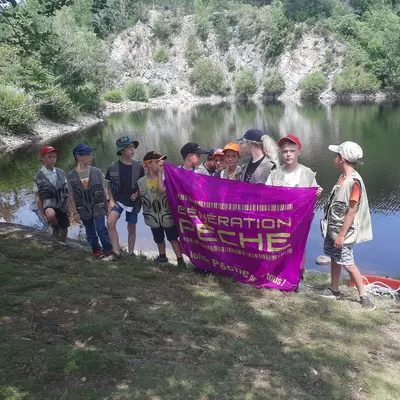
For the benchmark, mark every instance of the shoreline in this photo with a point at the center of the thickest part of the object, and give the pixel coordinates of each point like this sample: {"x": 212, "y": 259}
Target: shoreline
{"x": 47, "y": 130}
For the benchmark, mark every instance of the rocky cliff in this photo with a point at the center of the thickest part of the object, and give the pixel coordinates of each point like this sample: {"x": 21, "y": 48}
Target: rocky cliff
{"x": 134, "y": 51}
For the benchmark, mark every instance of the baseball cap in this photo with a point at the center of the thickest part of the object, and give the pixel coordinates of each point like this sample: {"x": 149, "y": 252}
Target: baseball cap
{"x": 47, "y": 149}
{"x": 290, "y": 138}
{"x": 232, "y": 146}
{"x": 214, "y": 153}
{"x": 192, "y": 148}
{"x": 350, "y": 151}
{"x": 254, "y": 135}
{"x": 82, "y": 150}
{"x": 153, "y": 155}
{"x": 124, "y": 142}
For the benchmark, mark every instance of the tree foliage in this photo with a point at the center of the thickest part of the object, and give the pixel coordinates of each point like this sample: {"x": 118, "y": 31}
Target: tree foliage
{"x": 355, "y": 80}
{"x": 312, "y": 86}
{"x": 136, "y": 91}
{"x": 207, "y": 77}
{"x": 245, "y": 83}
{"x": 274, "y": 84}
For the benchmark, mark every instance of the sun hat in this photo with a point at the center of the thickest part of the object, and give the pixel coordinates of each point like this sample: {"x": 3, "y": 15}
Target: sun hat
{"x": 124, "y": 142}
{"x": 232, "y": 146}
{"x": 192, "y": 148}
{"x": 83, "y": 150}
{"x": 350, "y": 151}
{"x": 48, "y": 149}
{"x": 290, "y": 138}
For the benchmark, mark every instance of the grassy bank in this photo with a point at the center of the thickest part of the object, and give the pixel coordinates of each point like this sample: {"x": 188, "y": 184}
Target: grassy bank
{"x": 74, "y": 328}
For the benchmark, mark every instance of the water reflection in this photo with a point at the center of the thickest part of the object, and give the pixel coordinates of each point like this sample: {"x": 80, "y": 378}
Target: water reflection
{"x": 376, "y": 128}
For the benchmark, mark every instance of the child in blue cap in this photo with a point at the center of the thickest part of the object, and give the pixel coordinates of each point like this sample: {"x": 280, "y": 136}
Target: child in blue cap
{"x": 88, "y": 201}
{"x": 122, "y": 176}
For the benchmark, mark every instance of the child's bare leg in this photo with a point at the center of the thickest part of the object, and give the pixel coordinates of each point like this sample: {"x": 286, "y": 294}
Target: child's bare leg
{"x": 112, "y": 219}
{"x": 51, "y": 216}
{"x": 335, "y": 275}
{"x": 355, "y": 276}
{"x": 131, "y": 238}
{"x": 161, "y": 248}
{"x": 177, "y": 248}
{"x": 63, "y": 235}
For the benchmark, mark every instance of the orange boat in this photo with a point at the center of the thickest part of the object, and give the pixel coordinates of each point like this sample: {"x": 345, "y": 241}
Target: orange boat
{"x": 380, "y": 281}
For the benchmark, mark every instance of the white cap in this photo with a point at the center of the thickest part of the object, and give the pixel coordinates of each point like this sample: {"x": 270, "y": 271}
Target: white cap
{"x": 350, "y": 151}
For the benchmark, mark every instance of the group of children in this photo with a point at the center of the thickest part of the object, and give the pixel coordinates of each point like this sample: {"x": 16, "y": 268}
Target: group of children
{"x": 81, "y": 195}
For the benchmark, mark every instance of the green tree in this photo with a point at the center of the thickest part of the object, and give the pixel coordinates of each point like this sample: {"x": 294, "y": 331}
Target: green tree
{"x": 136, "y": 91}
{"x": 355, "y": 80}
{"x": 274, "y": 84}
{"x": 207, "y": 77}
{"x": 301, "y": 10}
{"x": 312, "y": 86}
{"x": 245, "y": 83}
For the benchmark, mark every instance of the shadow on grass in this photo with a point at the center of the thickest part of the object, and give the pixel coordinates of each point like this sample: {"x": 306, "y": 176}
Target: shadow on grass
{"x": 74, "y": 328}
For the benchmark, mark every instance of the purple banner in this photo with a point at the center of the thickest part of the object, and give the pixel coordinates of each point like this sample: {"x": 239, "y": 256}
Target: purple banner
{"x": 254, "y": 233}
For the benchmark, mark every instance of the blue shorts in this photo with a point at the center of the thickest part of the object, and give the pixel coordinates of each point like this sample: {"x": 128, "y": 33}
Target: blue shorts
{"x": 130, "y": 217}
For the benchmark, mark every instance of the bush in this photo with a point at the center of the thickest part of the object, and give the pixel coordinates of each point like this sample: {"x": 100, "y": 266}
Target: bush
{"x": 355, "y": 80}
{"x": 136, "y": 91}
{"x": 274, "y": 84}
{"x": 16, "y": 110}
{"x": 222, "y": 30}
{"x": 202, "y": 27}
{"x": 207, "y": 77}
{"x": 193, "y": 51}
{"x": 162, "y": 28}
{"x": 174, "y": 90}
{"x": 113, "y": 96}
{"x": 312, "y": 86}
{"x": 58, "y": 106}
{"x": 230, "y": 64}
{"x": 161, "y": 55}
{"x": 301, "y": 10}
{"x": 86, "y": 96}
{"x": 245, "y": 84}
{"x": 156, "y": 90}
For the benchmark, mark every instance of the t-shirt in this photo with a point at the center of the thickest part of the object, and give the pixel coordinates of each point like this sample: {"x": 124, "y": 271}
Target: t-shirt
{"x": 51, "y": 176}
{"x": 125, "y": 190}
{"x": 355, "y": 191}
{"x": 152, "y": 185}
{"x": 292, "y": 179}
{"x": 84, "y": 177}
{"x": 251, "y": 169}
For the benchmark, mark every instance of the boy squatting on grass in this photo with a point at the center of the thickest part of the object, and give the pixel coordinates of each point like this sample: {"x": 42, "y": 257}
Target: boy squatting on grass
{"x": 50, "y": 188}
{"x": 88, "y": 201}
{"x": 293, "y": 174}
{"x": 156, "y": 211}
{"x": 346, "y": 221}
{"x": 122, "y": 176}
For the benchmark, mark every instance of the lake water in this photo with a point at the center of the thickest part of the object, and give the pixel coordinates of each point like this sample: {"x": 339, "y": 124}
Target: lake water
{"x": 376, "y": 128}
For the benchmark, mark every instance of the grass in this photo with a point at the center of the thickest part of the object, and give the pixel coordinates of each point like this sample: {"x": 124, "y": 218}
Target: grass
{"x": 75, "y": 328}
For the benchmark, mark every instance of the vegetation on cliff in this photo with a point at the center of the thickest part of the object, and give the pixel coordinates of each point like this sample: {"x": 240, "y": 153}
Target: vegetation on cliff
{"x": 55, "y": 61}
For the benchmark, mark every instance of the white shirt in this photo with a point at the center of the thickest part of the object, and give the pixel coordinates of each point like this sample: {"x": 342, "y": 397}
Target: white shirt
{"x": 292, "y": 179}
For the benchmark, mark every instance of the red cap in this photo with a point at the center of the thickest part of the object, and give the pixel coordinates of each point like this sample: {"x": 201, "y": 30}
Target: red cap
{"x": 47, "y": 149}
{"x": 290, "y": 138}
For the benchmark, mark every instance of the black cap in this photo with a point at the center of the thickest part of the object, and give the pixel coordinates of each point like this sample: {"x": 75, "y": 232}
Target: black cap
{"x": 211, "y": 153}
{"x": 254, "y": 135}
{"x": 192, "y": 148}
{"x": 153, "y": 155}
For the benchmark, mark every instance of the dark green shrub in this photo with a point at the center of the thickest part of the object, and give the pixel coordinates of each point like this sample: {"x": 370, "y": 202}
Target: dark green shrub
{"x": 174, "y": 90}
{"x": 136, "y": 91}
{"x": 162, "y": 28}
{"x": 193, "y": 51}
{"x": 113, "y": 96}
{"x": 274, "y": 84}
{"x": 312, "y": 86}
{"x": 207, "y": 77}
{"x": 245, "y": 83}
{"x": 156, "y": 90}
{"x": 355, "y": 80}
{"x": 58, "y": 106}
{"x": 86, "y": 96}
{"x": 230, "y": 64}
{"x": 202, "y": 27}
{"x": 161, "y": 55}
{"x": 17, "y": 111}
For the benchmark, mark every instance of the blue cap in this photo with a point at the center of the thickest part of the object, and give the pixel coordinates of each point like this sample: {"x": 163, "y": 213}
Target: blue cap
{"x": 254, "y": 135}
{"x": 83, "y": 150}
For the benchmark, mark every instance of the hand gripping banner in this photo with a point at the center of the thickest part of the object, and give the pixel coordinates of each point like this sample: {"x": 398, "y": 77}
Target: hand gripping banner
{"x": 254, "y": 233}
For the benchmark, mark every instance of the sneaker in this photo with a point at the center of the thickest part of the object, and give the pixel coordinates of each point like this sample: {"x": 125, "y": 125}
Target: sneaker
{"x": 367, "y": 303}
{"x": 109, "y": 256}
{"x": 302, "y": 287}
{"x": 98, "y": 255}
{"x": 161, "y": 260}
{"x": 181, "y": 264}
{"x": 117, "y": 256}
{"x": 331, "y": 294}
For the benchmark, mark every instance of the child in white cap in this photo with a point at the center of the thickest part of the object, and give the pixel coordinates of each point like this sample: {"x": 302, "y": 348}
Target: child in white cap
{"x": 346, "y": 221}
